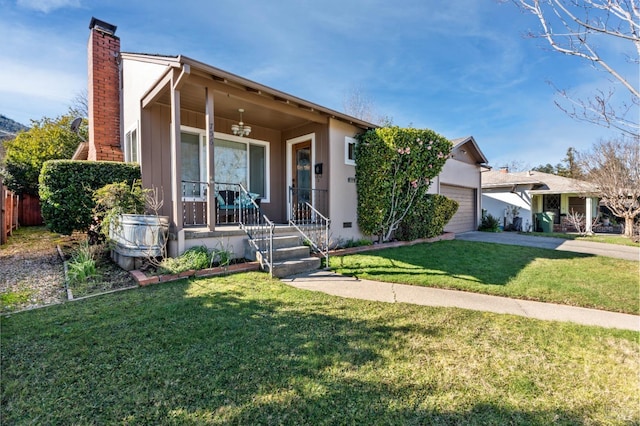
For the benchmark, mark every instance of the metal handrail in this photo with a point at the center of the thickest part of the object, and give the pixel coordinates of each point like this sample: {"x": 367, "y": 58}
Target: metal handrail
{"x": 259, "y": 228}
{"x": 313, "y": 226}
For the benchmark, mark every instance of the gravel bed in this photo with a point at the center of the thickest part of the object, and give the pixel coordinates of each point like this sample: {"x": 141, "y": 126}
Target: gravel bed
{"x": 32, "y": 270}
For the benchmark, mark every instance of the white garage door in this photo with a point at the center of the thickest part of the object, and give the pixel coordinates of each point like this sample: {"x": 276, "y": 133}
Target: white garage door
{"x": 465, "y": 218}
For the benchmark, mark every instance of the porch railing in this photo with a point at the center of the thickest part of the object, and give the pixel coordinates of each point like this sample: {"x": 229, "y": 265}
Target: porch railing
{"x": 194, "y": 203}
{"x": 318, "y": 198}
{"x": 258, "y": 227}
{"x": 234, "y": 205}
{"x": 309, "y": 221}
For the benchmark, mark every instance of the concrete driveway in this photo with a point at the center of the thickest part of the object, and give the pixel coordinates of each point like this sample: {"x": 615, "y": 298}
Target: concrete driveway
{"x": 576, "y": 246}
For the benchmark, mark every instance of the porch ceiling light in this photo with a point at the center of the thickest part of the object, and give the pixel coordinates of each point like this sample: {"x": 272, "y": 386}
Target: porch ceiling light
{"x": 240, "y": 129}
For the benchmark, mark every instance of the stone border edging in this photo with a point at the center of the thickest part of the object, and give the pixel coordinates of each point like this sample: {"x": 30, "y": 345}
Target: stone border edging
{"x": 352, "y": 250}
{"x": 144, "y": 280}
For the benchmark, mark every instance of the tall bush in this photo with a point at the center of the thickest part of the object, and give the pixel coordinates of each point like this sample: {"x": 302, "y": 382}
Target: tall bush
{"x": 428, "y": 217}
{"x": 394, "y": 167}
{"x": 47, "y": 139}
{"x": 66, "y": 190}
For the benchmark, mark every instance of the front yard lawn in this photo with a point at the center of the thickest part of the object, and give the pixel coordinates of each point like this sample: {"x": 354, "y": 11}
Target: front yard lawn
{"x": 246, "y": 349}
{"x": 505, "y": 270}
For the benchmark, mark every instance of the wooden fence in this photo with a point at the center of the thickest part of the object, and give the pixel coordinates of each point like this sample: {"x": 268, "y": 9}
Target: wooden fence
{"x": 29, "y": 212}
{"x": 8, "y": 212}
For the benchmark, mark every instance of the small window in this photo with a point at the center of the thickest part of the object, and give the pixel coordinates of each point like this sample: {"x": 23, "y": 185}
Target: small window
{"x": 131, "y": 146}
{"x": 349, "y": 151}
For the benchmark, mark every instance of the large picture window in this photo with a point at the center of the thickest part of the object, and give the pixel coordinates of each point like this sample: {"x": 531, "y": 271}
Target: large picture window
{"x": 237, "y": 160}
{"x": 244, "y": 161}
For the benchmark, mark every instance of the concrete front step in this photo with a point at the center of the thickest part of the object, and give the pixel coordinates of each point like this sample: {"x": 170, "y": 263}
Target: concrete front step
{"x": 279, "y": 242}
{"x": 297, "y": 266}
{"x": 287, "y": 253}
{"x": 289, "y": 256}
{"x": 283, "y": 241}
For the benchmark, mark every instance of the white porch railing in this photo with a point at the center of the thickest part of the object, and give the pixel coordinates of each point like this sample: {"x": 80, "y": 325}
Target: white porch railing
{"x": 234, "y": 205}
{"x": 308, "y": 221}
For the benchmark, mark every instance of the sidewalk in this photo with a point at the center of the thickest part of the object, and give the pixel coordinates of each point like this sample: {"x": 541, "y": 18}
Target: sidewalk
{"x": 338, "y": 285}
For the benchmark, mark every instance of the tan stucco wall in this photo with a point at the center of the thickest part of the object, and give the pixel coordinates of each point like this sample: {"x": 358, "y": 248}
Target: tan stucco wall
{"x": 343, "y": 195}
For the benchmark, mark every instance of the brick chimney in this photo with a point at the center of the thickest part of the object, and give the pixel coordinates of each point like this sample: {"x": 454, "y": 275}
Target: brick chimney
{"x": 104, "y": 92}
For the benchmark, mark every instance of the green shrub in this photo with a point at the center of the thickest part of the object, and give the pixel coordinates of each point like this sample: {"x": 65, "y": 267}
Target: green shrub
{"x": 394, "y": 167}
{"x": 115, "y": 199}
{"x": 489, "y": 223}
{"x": 66, "y": 190}
{"x": 427, "y": 218}
{"x": 194, "y": 258}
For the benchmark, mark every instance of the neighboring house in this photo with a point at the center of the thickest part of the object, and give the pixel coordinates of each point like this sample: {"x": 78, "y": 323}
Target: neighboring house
{"x": 183, "y": 120}
{"x": 535, "y": 192}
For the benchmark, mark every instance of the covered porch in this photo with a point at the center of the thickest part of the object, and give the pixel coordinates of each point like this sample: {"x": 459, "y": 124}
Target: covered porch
{"x": 211, "y": 175}
{"x": 562, "y": 205}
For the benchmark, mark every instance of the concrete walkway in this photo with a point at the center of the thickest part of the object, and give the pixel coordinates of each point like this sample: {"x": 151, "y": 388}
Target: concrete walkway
{"x": 577, "y": 246}
{"x": 338, "y": 285}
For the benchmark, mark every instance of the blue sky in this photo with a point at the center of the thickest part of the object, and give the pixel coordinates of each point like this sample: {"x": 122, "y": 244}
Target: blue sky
{"x": 461, "y": 67}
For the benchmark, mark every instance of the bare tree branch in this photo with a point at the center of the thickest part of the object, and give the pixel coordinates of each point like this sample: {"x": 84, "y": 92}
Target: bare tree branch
{"x": 616, "y": 19}
{"x": 359, "y": 105}
{"x": 614, "y": 168}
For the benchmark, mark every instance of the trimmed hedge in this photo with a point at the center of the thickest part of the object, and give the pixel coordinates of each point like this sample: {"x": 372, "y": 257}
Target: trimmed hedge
{"x": 394, "y": 169}
{"x": 427, "y": 218}
{"x": 66, "y": 190}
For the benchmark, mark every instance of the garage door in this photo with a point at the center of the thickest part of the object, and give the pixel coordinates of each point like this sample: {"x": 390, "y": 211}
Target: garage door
{"x": 465, "y": 218}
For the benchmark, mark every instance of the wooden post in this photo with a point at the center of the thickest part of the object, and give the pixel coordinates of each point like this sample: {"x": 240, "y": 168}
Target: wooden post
{"x": 211, "y": 203}
{"x": 3, "y": 214}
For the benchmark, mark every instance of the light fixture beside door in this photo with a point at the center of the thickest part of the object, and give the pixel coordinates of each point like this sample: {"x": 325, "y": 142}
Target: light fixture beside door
{"x": 240, "y": 129}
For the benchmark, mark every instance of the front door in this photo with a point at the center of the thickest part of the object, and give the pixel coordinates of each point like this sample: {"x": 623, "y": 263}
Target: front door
{"x": 301, "y": 176}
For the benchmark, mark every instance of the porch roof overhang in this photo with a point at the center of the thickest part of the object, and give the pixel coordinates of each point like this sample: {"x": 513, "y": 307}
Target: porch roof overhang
{"x": 264, "y": 106}
{"x": 577, "y": 192}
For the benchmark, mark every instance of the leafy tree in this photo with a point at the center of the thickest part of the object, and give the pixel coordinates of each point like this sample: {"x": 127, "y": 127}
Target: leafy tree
{"x": 547, "y": 168}
{"x": 604, "y": 33}
{"x": 571, "y": 167}
{"x": 614, "y": 168}
{"x": 47, "y": 139}
{"x": 394, "y": 168}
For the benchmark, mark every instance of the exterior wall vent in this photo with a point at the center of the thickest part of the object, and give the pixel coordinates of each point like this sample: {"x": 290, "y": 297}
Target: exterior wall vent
{"x": 347, "y": 224}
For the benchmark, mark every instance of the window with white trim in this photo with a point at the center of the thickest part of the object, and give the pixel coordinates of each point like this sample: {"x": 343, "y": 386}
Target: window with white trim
{"x": 193, "y": 164}
{"x": 131, "y": 146}
{"x": 349, "y": 151}
{"x": 244, "y": 161}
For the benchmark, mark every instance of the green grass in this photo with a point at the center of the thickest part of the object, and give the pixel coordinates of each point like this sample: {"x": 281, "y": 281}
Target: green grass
{"x": 10, "y": 299}
{"x": 497, "y": 269}
{"x": 598, "y": 238}
{"x": 245, "y": 349}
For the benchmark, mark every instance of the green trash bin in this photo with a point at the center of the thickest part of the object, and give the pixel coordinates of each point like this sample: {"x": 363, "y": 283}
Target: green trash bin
{"x": 545, "y": 221}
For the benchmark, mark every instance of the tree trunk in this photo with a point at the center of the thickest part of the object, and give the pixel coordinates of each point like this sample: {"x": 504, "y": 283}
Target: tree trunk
{"x": 628, "y": 227}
